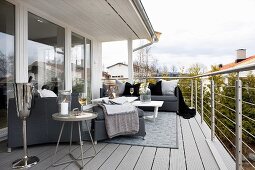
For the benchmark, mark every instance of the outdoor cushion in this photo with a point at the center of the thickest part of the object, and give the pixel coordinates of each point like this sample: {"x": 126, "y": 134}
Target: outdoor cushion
{"x": 168, "y": 87}
{"x": 156, "y": 88}
{"x": 100, "y": 113}
{"x": 121, "y": 87}
{"x": 169, "y": 98}
{"x": 127, "y": 89}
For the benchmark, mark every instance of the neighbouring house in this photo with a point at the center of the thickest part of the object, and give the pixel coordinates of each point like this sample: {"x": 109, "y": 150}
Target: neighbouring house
{"x": 241, "y": 60}
{"x": 118, "y": 71}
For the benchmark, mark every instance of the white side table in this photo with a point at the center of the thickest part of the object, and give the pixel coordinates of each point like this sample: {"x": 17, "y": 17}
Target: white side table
{"x": 85, "y": 116}
{"x": 155, "y": 104}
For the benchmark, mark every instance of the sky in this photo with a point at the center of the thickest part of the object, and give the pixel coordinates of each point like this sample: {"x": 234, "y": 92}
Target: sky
{"x": 207, "y": 32}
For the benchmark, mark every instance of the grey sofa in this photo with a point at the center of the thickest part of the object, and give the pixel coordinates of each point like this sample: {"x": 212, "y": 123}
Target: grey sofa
{"x": 171, "y": 102}
{"x": 98, "y": 125}
{"x": 41, "y": 128}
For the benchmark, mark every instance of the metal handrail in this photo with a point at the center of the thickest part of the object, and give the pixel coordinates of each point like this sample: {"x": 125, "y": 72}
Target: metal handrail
{"x": 248, "y": 161}
{"x": 248, "y": 147}
{"x": 226, "y": 148}
{"x": 225, "y": 136}
{"x": 248, "y": 103}
{"x": 225, "y": 126}
{"x": 225, "y": 96}
{"x": 248, "y": 118}
{"x": 225, "y": 116}
{"x": 225, "y": 106}
{"x": 249, "y": 133}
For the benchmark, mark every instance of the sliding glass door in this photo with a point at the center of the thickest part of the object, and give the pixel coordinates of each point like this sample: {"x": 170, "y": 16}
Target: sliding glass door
{"x": 7, "y": 33}
{"x": 46, "y": 46}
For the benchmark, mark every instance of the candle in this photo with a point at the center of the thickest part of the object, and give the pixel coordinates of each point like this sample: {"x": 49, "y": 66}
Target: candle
{"x": 64, "y": 108}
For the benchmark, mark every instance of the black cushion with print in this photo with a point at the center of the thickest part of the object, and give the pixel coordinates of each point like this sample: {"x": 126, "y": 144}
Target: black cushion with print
{"x": 156, "y": 88}
{"x": 127, "y": 89}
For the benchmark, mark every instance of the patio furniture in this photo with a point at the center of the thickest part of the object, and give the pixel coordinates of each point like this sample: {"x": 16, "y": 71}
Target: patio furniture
{"x": 98, "y": 125}
{"x": 155, "y": 104}
{"x": 84, "y": 116}
{"x": 98, "y": 100}
{"x": 41, "y": 128}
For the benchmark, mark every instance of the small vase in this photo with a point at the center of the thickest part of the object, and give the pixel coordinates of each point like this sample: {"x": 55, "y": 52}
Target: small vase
{"x": 145, "y": 96}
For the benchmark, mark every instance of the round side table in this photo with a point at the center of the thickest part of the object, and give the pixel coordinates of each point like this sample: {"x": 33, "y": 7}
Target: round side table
{"x": 72, "y": 117}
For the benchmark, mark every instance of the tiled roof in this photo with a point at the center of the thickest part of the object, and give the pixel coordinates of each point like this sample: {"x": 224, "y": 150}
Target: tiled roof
{"x": 246, "y": 61}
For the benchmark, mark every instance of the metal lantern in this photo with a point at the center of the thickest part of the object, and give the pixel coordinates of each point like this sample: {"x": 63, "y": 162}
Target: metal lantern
{"x": 23, "y": 93}
{"x": 64, "y": 102}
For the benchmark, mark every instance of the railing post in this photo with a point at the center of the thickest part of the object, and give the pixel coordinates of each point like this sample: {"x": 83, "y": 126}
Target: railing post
{"x": 212, "y": 111}
{"x": 202, "y": 101}
{"x": 196, "y": 95}
{"x": 238, "y": 96}
{"x": 191, "y": 93}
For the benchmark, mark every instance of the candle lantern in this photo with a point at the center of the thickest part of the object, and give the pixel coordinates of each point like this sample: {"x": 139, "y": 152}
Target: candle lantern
{"x": 64, "y": 102}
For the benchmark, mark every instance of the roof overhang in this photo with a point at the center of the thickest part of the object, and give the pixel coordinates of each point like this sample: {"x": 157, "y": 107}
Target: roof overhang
{"x": 105, "y": 20}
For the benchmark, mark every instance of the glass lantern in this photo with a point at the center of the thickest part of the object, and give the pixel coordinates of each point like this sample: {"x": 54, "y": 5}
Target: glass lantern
{"x": 64, "y": 102}
{"x": 145, "y": 94}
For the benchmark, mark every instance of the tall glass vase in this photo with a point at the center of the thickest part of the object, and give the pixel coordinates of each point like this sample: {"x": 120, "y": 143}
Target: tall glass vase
{"x": 145, "y": 94}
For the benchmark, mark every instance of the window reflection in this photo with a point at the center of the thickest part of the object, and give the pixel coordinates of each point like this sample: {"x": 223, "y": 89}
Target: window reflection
{"x": 46, "y": 43}
{"x": 78, "y": 63}
{"x": 7, "y": 29}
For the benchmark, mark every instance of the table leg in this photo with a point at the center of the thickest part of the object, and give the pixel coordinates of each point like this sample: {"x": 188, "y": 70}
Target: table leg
{"x": 79, "y": 126}
{"x": 155, "y": 113}
{"x": 71, "y": 137}
{"x": 60, "y": 134}
{"x": 91, "y": 138}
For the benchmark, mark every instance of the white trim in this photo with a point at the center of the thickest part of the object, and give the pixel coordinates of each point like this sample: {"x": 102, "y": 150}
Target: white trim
{"x": 130, "y": 60}
{"x": 68, "y": 69}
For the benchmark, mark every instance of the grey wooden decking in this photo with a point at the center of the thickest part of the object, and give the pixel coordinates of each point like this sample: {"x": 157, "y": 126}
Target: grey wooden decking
{"x": 193, "y": 153}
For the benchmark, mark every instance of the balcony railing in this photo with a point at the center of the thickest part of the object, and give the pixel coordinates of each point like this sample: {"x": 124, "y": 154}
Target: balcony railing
{"x": 225, "y": 101}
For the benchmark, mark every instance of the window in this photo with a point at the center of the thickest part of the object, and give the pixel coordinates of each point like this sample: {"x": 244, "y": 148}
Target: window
{"x": 46, "y": 42}
{"x": 78, "y": 63}
{"x": 7, "y": 30}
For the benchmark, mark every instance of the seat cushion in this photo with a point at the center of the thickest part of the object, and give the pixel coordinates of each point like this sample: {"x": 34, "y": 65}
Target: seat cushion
{"x": 100, "y": 113}
{"x": 169, "y": 98}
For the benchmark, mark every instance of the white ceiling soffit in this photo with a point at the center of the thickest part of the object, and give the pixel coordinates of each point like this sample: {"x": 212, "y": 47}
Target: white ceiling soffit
{"x": 111, "y": 20}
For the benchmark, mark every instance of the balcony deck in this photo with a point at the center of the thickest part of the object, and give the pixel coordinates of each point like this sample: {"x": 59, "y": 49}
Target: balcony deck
{"x": 193, "y": 153}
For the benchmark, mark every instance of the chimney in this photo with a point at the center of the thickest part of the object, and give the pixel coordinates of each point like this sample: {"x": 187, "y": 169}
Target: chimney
{"x": 240, "y": 55}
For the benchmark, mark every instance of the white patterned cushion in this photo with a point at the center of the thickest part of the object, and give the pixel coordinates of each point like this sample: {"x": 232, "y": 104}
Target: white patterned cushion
{"x": 121, "y": 87}
{"x": 168, "y": 87}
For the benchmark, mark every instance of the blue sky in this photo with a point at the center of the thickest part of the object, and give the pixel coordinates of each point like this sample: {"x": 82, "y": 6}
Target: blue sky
{"x": 198, "y": 31}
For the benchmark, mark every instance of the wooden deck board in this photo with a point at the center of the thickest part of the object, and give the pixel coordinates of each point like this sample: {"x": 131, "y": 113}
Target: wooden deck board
{"x": 131, "y": 158}
{"x": 193, "y": 153}
{"x": 193, "y": 159}
{"x": 162, "y": 159}
{"x": 146, "y": 159}
{"x": 204, "y": 150}
{"x": 115, "y": 159}
{"x": 177, "y": 158}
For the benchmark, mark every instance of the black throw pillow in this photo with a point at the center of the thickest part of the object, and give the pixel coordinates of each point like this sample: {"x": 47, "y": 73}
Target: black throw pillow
{"x": 127, "y": 89}
{"x": 156, "y": 88}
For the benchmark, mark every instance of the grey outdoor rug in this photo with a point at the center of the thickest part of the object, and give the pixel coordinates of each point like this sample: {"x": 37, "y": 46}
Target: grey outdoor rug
{"x": 162, "y": 133}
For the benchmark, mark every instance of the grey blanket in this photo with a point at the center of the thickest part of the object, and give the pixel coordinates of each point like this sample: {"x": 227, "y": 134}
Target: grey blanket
{"x": 123, "y": 123}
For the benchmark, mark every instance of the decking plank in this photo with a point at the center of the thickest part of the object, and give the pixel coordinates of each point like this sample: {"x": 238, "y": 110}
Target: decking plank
{"x": 101, "y": 157}
{"x": 161, "y": 160}
{"x": 131, "y": 158}
{"x": 113, "y": 161}
{"x": 146, "y": 159}
{"x": 193, "y": 159}
{"x": 227, "y": 159}
{"x": 99, "y": 147}
{"x": 177, "y": 157}
{"x": 6, "y": 163}
{"x": 205, "y": 152}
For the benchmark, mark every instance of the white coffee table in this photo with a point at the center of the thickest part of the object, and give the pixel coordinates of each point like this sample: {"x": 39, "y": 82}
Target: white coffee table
{"x": 98, "y": 100}
{"x": 155, "y": 104}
